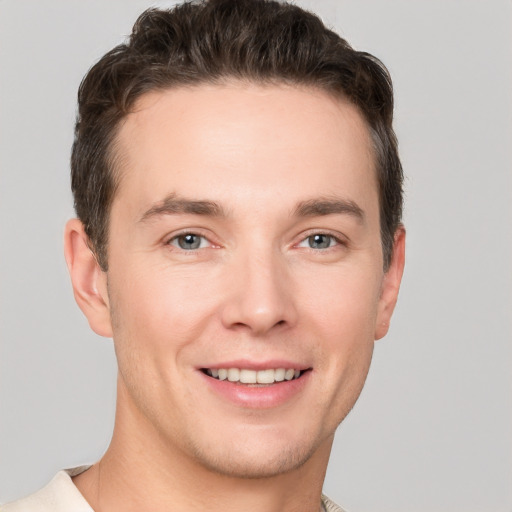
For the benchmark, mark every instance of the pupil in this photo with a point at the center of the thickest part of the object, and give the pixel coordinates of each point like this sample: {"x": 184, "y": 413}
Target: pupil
{"x": 319, "y": 241}
{"x": 189, "y": 241}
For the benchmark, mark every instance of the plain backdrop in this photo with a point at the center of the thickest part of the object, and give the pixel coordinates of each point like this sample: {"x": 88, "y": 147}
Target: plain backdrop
{"x": 432, "y": 431}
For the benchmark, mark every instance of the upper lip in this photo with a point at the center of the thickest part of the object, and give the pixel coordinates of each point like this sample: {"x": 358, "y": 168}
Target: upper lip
{"x": 257, "y": 365}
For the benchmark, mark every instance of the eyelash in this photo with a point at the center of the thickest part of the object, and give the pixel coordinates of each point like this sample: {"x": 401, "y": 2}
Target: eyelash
{"x": 176, "y": 237}
{"x": 332, "y": 237}
{"x": 338, "y": 241}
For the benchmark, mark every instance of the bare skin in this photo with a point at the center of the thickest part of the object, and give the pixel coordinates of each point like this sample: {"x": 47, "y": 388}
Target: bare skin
{"x": 244, "y": 235}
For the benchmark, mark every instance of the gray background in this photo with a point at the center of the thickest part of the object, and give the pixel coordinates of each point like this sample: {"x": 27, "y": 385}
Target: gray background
{"x": 433, "y": 428}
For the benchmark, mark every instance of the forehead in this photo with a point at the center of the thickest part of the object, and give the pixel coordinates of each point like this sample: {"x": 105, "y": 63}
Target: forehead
{"x": 237, "y": 140}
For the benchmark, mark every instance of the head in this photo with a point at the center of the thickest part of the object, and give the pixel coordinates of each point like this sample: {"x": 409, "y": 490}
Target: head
{"x": 261, "y": 42}
{"x": 236, "y": 177}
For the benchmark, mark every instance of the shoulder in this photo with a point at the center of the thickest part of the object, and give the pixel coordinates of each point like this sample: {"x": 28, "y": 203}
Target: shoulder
{"x": 330, "y": 506}
{"x": 60, "y": 495}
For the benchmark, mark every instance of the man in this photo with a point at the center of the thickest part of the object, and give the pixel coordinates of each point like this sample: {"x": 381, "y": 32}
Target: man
{"x": 238, "y": 192}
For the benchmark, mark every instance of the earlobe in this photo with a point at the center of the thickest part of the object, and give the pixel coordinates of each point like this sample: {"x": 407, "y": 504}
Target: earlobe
{"x": 391, "y": 284}
{"x": 88, "y": 280}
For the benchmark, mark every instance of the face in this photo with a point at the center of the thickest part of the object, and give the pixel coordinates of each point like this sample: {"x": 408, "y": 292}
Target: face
{"x": 245, "y": 282}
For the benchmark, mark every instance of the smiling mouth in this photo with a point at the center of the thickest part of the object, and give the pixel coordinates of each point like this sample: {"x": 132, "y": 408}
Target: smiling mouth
{"x": 255, "y": 377}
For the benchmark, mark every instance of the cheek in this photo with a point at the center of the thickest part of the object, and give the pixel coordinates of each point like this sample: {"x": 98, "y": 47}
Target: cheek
{"x": 344, "y": 318}
{"x": 345, "y": 302}
{"x": 159, "y": 310}
{"x": 155, "y": 320}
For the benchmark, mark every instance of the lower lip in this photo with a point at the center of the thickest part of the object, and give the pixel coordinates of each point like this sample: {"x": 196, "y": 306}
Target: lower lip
{"x": 254, "y": 397}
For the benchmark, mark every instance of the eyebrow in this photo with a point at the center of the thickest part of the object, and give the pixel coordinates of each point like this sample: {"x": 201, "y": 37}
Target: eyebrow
{"x": 329, "y": 206}
{"x": 172, "y": 205}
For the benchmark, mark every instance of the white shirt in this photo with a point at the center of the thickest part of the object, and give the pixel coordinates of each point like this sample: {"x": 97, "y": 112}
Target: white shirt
{"x": 61, "y": 495}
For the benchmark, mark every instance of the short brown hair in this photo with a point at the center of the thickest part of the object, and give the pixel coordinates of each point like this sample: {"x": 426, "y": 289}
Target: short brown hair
{"x": 198, "y": 42}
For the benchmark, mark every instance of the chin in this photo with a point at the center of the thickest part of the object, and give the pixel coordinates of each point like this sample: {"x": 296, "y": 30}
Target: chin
{"x": 236, "y": 465}
{"x": 256, "y": 459}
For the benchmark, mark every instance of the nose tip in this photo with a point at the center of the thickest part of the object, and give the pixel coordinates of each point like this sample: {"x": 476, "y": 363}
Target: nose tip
{"x": 258, "y": 320}
{"x": 260, "y": 299}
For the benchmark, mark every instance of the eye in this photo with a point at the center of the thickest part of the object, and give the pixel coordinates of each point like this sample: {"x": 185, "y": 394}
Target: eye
{"x": 319, "y": 241}
{"x": 189, "y": 242}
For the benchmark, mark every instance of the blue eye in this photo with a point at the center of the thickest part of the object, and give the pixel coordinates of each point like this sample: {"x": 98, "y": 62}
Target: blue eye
{"x": 189, "y": 242}
{"x": 319, "y": 241}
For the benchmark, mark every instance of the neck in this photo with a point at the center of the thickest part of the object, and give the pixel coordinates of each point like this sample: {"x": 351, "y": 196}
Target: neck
{"x": 141, "y": 471}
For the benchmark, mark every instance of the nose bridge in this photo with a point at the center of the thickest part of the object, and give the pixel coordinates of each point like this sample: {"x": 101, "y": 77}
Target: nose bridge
{"x": 260, "y": 295}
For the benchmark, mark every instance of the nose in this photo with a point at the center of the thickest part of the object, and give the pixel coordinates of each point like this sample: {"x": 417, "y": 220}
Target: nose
{"x": 260, "y": 295}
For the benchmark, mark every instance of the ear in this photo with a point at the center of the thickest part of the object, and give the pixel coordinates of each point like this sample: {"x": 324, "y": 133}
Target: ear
{"x": 88, "y": 280}
{"x": 391, "y": 284}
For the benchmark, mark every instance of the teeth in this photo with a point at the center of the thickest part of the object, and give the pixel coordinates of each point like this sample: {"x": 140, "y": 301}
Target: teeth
{"x": 246, "y": 376}
{"x": 265, "y": 376}
{"x": 279, "y": 374}
{"x": 233, "y": 375}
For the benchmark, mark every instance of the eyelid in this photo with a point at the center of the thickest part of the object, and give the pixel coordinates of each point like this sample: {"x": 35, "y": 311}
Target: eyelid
{"x": 188, "y": 231}
{"x": 174, "y": 242}
{"x": 337, "y": 236}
